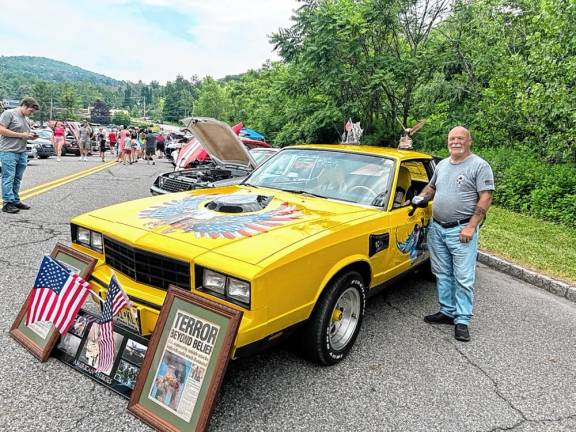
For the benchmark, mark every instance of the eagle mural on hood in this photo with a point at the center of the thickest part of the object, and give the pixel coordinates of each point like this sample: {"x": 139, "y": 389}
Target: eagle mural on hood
{"x": 188, "y": 215}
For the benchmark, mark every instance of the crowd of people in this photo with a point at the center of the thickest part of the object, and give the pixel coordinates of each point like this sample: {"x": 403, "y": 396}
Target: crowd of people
{"x": 127, "y": 144}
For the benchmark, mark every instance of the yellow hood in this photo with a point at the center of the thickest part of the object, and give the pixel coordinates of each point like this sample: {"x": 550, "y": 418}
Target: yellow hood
{"x": 250, "y": 236}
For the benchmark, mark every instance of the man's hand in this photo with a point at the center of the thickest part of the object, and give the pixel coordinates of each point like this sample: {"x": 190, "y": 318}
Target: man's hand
{"x": 29, "y": 135}
{"x": 467, "y": 233}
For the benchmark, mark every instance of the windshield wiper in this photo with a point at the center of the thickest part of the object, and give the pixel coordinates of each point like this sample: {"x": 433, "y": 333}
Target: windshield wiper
{"x": 303, "y": 192}
{"x": 251, "y": 185}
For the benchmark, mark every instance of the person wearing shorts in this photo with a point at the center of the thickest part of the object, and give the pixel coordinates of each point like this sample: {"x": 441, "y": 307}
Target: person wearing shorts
{"x": 127, "y": 152}
{"x": 84, "y": 142}
{"x": 58, "y": 137}
{"x": 101, "y": 139}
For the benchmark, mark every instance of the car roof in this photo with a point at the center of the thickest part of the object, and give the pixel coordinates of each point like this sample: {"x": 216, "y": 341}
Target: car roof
{"x": 373, "y": 150}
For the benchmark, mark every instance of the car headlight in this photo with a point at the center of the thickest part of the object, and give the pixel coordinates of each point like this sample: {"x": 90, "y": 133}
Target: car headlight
{"x": 83, "y": 236}
{"x": 225, "y": 287}
{"x": 88, "y": 238}
{"x": 161, "y": 181}
{"x": 239, "y": 290}
{"x": 214, "y": 281}
{"x": 96, "y": 241}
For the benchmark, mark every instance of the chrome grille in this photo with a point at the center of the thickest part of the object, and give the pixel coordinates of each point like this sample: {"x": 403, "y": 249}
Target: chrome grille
{"x": 146, "y": 267}
{"x": 173, "y": 185}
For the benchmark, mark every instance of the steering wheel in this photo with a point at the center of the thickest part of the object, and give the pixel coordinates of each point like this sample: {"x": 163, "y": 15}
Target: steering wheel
{"x": 366, "y": 189}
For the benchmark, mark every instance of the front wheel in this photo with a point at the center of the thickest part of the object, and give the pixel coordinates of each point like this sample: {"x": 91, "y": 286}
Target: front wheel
{"x": 335, "y": 323}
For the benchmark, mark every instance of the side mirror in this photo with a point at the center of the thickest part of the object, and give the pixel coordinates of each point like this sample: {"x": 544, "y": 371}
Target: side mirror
{"x": 418, "y": 202}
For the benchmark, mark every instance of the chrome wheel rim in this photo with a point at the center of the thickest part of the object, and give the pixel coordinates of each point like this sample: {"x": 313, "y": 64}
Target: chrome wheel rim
{"x": 344, "y": 319}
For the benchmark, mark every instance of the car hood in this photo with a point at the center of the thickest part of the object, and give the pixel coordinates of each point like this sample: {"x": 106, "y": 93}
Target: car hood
{"x": 239, "y": 222}
{"x": 220, "y": 141}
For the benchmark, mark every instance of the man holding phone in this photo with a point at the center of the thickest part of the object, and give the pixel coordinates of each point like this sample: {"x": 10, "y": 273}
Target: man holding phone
{"x": 14, "y": 133}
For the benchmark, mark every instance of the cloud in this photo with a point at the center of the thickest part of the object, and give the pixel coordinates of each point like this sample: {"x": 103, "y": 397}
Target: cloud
{"x": 147, "y": 39}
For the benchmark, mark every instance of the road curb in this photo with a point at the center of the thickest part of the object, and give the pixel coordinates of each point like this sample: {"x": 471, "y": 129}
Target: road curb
{"x": 553, "y": 286}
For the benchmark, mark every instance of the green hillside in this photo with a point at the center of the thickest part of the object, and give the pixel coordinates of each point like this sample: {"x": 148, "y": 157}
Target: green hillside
{"x": 41, "y": 68}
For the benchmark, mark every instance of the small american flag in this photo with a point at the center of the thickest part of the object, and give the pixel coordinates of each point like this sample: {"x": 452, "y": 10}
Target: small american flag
{"x": 57, "y": 295}
{"x": 115, "y": 301}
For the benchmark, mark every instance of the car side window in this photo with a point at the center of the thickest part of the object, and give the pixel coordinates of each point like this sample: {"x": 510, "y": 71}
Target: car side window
{"x": 412, "y": 177}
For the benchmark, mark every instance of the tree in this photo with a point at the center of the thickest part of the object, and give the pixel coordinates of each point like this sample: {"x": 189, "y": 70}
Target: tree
{"x": 42, "y": 92}
{"x": 213, "y": 100}
{"x": 121, "y": 118}
{"x": 100, "y": 113}
{"x": 69, "y": 101}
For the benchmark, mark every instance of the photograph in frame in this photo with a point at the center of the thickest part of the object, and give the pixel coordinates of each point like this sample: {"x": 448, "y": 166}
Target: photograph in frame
{"x": 185, "y": 362}
{"x": 41, "y": 338}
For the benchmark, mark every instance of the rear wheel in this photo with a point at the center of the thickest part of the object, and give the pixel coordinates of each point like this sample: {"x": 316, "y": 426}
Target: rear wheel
{"x": 334, "y": 325}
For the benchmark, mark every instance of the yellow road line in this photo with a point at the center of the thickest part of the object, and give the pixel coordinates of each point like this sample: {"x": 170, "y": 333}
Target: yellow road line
{"x": 45, "y": 187}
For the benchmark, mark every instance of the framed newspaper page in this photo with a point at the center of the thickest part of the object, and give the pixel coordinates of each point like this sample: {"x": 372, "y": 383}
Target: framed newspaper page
{"x": 40, "y": 338}
{"x": 185, "y": 362}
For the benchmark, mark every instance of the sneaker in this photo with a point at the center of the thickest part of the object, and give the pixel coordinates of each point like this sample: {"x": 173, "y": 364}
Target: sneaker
{"x": 57, "y": 159}
{"x": 22, "y": 206}
{"x": 439, "y": 318}
{"x": 153, "y": 163}
{"x": 10, "y": 208}
{"x": 461, "y": 333}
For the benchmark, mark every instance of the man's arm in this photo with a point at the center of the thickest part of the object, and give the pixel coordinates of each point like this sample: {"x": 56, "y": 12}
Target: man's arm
{"x": 4, "y": 131}
{"x": 427, "y": 193}
{"x": 484, "y": 203}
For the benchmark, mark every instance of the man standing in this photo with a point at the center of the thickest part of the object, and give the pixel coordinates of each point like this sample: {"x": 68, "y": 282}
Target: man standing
{"x": 462, "y": 187}
{"x": 84, "y": 143}
{"x": 150, "y": 147}
{"x": 14, "y": 133}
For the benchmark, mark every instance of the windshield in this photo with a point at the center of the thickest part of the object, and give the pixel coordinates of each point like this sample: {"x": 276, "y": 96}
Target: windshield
{"x": 260, "y": 155}
{"x": 339, "y": 175}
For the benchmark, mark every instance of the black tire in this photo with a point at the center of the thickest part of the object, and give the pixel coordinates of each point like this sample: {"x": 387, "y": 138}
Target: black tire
{"x": 319, "y": 341}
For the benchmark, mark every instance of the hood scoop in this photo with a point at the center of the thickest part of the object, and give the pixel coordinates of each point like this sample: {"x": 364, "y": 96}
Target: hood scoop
{"x": 239, "y": 203}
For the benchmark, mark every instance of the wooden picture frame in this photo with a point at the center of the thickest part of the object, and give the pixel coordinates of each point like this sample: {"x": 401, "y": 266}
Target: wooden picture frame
{"x": 185, "y": 362}
{"x": 41, "y": 338}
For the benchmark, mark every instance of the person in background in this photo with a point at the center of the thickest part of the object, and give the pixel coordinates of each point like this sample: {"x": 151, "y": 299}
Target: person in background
{"x": 160, "y": 140}
{"x": 121, "y": 141}
{"x": 101, "y": 139}
{"x": 58, "y": 137}
{"x": 462, "y": 187}
{"x": 14, "y": 134}
{"x": 84, "y": 143}
{"x": 127, "y": 152}
{"x": 150, "y": 147}
{"x": 112, "y": 140}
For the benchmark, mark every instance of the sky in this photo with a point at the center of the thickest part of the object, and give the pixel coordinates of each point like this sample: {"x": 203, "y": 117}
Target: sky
{"x": 146, "y": 39}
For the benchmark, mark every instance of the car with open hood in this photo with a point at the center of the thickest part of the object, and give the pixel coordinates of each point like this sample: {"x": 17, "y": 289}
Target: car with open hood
{"x": 218, "y": 157}
{"x": 298, "y": 246}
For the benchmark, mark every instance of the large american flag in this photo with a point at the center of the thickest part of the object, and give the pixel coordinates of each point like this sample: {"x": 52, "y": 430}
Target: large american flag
{"x": 57, "y": 295}
{"x": 115, "y": 301}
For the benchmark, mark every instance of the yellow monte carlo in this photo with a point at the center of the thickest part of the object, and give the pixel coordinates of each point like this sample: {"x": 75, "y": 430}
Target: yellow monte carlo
{"x": 299, "y": 244}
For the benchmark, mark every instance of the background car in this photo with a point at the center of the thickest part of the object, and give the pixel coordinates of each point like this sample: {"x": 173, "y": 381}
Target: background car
{"x": 42, "y": 146}
{"x": 216, "y": 159}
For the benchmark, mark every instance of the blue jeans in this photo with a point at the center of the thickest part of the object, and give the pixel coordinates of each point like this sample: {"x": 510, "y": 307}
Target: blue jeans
{"x": 13, "y": 166}
{"x": 454, "y": 265}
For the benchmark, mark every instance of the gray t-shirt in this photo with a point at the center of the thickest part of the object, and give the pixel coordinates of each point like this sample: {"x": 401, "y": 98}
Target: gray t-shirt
{"x": 16, "y": 122}
{"x": 85, "y": 133}
{"x": 457, "y": 187}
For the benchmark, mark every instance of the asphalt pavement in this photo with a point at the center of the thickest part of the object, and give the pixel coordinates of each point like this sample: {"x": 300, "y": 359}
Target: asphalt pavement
{"x": 518, "y": 372}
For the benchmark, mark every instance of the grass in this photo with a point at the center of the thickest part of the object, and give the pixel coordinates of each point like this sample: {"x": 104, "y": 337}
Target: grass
{"x": 544, "y": 247}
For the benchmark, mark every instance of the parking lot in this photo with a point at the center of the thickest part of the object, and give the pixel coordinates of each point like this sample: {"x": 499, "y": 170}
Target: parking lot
{"x": 402, "y": 375}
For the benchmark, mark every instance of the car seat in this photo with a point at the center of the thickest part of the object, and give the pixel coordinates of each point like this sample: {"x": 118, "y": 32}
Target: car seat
{"x": 402, "y": 187}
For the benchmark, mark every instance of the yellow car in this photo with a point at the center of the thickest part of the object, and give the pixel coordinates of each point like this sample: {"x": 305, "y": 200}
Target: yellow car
{"x": 299, "y": 244}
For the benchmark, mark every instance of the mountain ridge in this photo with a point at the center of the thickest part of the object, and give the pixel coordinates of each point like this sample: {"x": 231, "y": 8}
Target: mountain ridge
{"x": 46, "y": 69}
